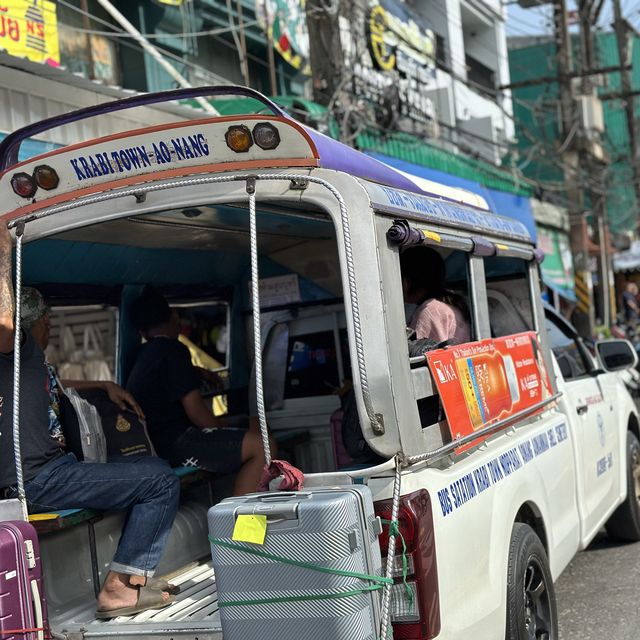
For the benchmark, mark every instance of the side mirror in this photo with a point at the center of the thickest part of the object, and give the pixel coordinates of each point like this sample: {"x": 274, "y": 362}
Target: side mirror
{"x": 615, "y": 355}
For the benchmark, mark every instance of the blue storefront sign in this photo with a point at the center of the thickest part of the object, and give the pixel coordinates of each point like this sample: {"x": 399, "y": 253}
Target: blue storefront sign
{"x": 505, "y": 204}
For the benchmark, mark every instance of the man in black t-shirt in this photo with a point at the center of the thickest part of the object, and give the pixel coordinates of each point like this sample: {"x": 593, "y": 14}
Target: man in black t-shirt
{"x": 53, "y": 480}
{"x": 182, "y": 427}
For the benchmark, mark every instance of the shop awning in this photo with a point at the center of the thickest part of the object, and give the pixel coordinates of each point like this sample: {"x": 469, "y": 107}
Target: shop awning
{"x": 505, "y": 204}
{"x": 628, "y": 260}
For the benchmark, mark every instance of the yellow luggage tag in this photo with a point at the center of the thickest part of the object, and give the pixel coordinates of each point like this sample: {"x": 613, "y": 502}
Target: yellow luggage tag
{"x": 250, "y": 528}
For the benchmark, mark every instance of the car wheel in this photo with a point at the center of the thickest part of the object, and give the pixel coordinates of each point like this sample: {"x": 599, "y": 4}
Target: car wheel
{"x": 624, "y": 524}
{"x": 531, "y": 600}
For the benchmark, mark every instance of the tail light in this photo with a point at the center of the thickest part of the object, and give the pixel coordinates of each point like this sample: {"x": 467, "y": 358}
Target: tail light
{"x": 415, "y": 604}
{"x": 23, "y": 185}
{"x": 238, "y": 138}
{"x": 266, "y": 136}
{"x": 46, "y": 177}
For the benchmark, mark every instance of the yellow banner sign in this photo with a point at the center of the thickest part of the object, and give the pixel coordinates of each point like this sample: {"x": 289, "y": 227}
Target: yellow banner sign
{"x": 29, "y": 29}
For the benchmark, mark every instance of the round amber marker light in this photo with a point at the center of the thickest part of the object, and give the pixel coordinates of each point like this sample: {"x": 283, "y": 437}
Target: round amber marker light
{"x": 46, "y": 177}
{"x": 23, "y": 185}
{"x": 238, "y": 138}
{"x": 266, "y": 136}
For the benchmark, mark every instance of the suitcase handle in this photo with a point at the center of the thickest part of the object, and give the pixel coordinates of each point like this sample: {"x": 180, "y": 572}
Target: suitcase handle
{"x": 37, "y": 607}
{"x": 274, "y": 512}
{"x": 279, "y": 497}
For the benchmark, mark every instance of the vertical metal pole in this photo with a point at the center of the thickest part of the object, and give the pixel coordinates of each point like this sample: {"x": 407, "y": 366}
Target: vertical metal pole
{"x": 604, "y": 272}
{"x": 257, "y": 333}
{"x": 391, "y": 553}
{"x": 93, "y": 553}
{"x": 17, "y": 341}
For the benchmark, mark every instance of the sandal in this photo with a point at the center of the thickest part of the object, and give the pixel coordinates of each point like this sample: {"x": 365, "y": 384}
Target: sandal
{"x": 160, "y": 584}
{"x": 148, "y": 598}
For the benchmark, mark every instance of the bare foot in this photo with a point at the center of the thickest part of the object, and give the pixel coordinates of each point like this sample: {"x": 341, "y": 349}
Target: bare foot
{"x": 120, "y": 590}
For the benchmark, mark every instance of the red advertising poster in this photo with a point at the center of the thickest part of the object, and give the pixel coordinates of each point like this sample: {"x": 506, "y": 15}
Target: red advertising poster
{"x": 483, "y": 382}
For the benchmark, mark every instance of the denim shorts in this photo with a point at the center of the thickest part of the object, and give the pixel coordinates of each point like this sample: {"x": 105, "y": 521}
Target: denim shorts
{"x": 216, "y": 450}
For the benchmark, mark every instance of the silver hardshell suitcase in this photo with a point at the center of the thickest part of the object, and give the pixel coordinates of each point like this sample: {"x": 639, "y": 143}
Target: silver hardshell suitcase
{"x": 334, "y": 528}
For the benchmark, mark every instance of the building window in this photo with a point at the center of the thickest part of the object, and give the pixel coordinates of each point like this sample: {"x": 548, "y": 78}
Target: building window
{"x": 481, "y": 76}
{"x": 441, "y": 52}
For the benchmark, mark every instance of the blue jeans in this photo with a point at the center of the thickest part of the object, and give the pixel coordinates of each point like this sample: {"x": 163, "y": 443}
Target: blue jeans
{"x": 147, "y": 487}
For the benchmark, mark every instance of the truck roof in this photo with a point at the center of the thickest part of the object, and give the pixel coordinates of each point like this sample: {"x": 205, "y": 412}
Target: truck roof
{"x": 191, "y": 147}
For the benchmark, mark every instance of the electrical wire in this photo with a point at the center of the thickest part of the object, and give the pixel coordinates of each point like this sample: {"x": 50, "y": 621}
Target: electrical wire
{"x": 233, "y": 28}
{"x": 152, "y": 36}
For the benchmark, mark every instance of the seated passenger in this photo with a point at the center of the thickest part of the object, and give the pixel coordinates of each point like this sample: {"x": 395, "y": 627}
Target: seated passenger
{"x": 53, "y": 480}
{"x": 181, "y": 425}
{"x": 35, "y": 317}
{"x": 441, "y": 314}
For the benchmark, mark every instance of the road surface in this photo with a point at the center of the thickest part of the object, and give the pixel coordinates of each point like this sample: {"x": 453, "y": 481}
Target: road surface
{"x": 599, "y": 593}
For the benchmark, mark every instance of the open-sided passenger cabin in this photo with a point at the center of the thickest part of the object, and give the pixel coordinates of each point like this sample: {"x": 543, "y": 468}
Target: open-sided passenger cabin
{"x": 199, "y": 258}
{"x": 328, "y": 265}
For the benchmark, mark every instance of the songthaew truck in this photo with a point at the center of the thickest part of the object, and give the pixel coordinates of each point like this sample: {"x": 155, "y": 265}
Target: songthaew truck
{"x": 486, "y": 465}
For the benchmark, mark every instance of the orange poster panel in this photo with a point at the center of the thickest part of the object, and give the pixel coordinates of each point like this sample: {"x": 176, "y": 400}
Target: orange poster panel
{"x": 483, "y": 382}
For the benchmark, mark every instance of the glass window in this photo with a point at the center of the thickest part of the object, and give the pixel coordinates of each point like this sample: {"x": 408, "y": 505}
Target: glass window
{"x": 567, "y": 352}
{"x": 312, "y": 366}
{"x": 508, "y": 296}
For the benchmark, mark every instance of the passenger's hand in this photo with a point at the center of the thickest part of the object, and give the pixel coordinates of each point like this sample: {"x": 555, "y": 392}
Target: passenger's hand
{"x": 123, "y": 399}
{"x": 347, "y": 385}
{"x": 213, "y": 379}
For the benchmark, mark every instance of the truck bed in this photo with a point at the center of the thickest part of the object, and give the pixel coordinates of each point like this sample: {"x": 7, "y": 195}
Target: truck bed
{"x": 73, "y": 577}
{"x": 194, "y": 614}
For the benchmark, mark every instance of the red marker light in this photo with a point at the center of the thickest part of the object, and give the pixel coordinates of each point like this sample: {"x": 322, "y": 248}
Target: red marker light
{"x": 46, "y": 177}
{"x": 23, "y": 185}
{"x": 266, "y": 136}
{"x": 238, "y": 138}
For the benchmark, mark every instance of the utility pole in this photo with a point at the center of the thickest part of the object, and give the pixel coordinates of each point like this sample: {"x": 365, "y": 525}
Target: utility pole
{"x": 594, "y": 165}
{"x": 584, "y": 316}
{"x": 623, "y": 34}
{"x": 273, "y": 83}
{"x": 326, "y": 56}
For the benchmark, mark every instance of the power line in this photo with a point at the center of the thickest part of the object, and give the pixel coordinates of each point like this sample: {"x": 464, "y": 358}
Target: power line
{"x": 158, "y": 36}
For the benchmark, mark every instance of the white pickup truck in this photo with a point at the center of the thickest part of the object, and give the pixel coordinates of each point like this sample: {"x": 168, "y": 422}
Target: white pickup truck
{"x": 509, "y": 517}
{"x": 509, "y": 452}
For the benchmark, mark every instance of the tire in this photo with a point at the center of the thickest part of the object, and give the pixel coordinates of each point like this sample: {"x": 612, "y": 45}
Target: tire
{"x": 531, "y": 599}
{"x": 624, "y": 524}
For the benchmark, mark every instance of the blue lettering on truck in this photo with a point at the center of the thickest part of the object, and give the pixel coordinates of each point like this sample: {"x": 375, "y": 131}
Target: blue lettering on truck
{"x": 469, "y": 486}
{"x": 133, "y": 158}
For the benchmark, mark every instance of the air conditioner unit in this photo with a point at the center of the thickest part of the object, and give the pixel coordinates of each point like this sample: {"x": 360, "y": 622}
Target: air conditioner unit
{"x": 591, "y": 114}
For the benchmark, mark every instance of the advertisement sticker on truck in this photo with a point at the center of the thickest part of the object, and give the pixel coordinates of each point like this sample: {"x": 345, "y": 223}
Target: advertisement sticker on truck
{"x": 487, "y": 381}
